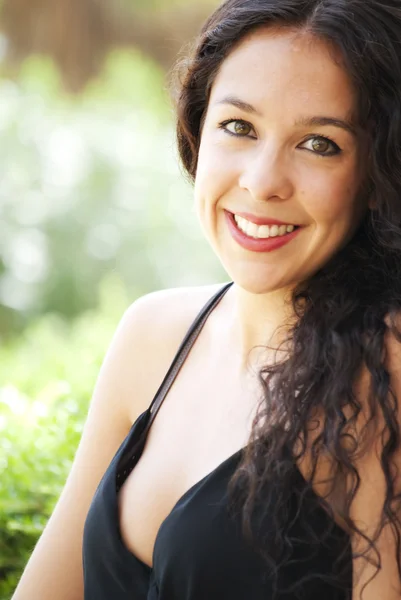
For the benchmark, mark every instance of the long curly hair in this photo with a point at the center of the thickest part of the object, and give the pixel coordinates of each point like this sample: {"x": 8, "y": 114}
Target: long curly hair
{"x": 344, "y": 310}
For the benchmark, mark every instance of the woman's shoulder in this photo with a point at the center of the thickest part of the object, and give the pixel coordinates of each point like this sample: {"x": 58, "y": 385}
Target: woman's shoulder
{"x": 187, "y": 297}
{"x": 171, "y": 310}
{"x": 153, "y": 328}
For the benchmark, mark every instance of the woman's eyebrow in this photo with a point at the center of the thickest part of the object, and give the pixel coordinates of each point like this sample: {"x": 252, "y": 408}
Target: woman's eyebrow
{"x": 234, "y": 101}
{"x": 321, "y": 121}
{"x": 333, "y": 121}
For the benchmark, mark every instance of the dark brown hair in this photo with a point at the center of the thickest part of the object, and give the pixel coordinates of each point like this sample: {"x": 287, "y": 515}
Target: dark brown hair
{"x": 341, "y": 310}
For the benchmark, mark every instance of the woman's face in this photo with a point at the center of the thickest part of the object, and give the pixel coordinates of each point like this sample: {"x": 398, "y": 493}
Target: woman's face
{"x": 279, "y": 144}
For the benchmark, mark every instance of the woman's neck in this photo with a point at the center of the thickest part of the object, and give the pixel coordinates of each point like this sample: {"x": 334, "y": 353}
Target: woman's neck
{"x": 252, "y": 322}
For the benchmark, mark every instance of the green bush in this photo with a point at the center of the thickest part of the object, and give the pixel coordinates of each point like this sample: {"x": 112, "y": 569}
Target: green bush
{"x": 91, "y": 185}
{"x": 47, "y": 377}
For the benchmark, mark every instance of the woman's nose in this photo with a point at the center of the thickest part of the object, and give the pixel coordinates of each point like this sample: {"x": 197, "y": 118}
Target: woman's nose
{"x": 266, "y": 176}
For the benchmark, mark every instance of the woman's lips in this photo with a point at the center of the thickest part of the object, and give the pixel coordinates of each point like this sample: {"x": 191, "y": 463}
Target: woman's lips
{"x": 262, "y": 220}
{"x": 258, "y": 244}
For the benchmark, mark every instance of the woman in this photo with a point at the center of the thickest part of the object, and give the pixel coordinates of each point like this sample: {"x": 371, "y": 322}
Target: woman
{"x": 271, "y": 470}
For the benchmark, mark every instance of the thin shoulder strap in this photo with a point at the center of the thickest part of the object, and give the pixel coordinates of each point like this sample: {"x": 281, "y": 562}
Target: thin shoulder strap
{"x": 134, "y": 445}
{"x": 184, "y": 350}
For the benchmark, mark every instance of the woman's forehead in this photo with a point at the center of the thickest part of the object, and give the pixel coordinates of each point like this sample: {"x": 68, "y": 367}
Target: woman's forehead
{"x": 285, "y": 66}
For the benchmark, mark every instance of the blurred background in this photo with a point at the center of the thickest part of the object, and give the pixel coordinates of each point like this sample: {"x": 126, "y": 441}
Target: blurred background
{"x": 94, "y": 212}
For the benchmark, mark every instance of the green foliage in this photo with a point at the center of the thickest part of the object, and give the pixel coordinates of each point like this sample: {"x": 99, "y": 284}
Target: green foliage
{"x": 91, "y": 186}
{"x": 47, "y": 378}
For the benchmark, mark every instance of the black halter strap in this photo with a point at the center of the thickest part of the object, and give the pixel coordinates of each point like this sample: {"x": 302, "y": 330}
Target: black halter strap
{"x": 132, "y": 448}
{"x": 184, "y": 350}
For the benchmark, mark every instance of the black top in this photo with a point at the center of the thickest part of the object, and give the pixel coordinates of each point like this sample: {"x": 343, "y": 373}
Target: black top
{"x": 199, "y": 552}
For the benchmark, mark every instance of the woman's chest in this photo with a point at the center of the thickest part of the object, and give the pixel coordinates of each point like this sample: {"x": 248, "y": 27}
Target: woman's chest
{"x": 195, "y": 432}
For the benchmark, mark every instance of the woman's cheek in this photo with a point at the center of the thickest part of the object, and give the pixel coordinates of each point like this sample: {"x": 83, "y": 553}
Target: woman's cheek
{"x": 217, "y": 175}
{"x": 327, "y": 198}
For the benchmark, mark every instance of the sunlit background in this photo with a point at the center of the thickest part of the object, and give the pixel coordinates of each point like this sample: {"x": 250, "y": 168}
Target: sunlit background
{"x": 94, "y": 212}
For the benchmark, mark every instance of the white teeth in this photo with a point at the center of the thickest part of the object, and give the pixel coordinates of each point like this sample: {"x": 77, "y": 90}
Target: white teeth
{"x": 262, "y": 231}
{"x": 251, "y": 229}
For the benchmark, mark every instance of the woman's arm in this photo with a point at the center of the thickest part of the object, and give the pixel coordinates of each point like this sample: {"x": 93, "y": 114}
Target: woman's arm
{"x": 54, "y": 570}
{"x": 139, "y": 356}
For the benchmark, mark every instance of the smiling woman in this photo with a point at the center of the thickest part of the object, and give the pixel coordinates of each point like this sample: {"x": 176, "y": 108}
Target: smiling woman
{"x": 282, "y": 145}
{"x": 280, "y": 390}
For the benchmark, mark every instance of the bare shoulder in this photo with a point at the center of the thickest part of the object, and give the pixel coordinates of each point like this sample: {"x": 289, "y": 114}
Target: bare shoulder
{"x": 156, "y": 325}
{"x": 171, "y": 309}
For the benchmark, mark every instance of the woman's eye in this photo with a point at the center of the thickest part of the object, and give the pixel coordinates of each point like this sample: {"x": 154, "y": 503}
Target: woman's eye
{"x": 236, "y": 127}
{"x": 318, "y": 144}
{"x": 323, "y": 146}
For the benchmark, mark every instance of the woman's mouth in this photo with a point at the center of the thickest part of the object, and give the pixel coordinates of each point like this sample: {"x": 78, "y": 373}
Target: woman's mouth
{"x": 259, "y": 238}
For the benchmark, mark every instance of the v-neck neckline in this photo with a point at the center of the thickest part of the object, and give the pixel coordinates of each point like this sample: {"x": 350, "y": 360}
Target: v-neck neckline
{"x": 192, "y": 490}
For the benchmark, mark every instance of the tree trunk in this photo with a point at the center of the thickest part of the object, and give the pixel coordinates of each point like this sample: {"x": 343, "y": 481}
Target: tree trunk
{"x": 77, "y": 34}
